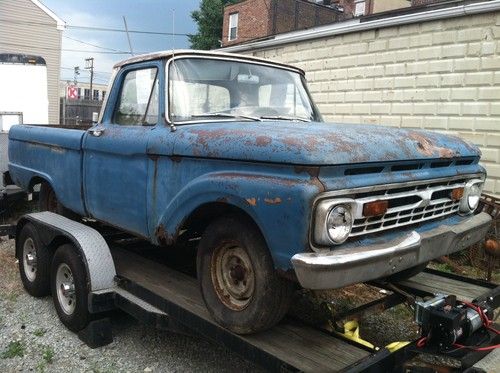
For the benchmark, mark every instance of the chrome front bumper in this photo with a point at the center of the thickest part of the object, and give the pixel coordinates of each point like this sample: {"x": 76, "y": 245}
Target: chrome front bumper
{"x": 342, "y": 267}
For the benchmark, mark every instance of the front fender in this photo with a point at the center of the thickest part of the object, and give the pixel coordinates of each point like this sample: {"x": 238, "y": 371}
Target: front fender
{"x": 276, "y": 203}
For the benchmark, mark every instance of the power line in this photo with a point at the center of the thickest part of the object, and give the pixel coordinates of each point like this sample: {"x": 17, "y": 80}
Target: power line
{"x": 64, "y": 50}
{"x": 92, "y": 45}
{"x": 93, "y": 28}
{"x": 97, "y": 72}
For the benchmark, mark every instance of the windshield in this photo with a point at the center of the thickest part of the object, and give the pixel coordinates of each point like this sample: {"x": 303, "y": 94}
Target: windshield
{"x": 217, "y": 89}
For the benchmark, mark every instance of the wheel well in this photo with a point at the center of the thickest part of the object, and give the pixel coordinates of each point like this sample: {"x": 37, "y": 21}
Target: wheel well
{"x": 35, "y": 181}
{"x": 202, "y": 216}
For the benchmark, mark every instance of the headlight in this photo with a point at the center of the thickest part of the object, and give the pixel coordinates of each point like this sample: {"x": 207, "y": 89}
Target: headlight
{"x": 472, "y": 195}
{"x": 339, "y": 223}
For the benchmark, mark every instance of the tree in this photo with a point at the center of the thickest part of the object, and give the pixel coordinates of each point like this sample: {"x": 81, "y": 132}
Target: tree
{"x": 209, "y": 18}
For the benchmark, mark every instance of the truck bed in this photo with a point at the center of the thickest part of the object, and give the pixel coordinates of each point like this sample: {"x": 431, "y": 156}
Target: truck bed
{"x": 51, "y": 153}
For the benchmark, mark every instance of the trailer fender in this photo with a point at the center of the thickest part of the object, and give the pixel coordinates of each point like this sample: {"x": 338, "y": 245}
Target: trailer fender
{"x": 91, "y": 244}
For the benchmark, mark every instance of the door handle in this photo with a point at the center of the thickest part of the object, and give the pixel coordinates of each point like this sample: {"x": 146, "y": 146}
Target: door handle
{"x": 96, "y": 131}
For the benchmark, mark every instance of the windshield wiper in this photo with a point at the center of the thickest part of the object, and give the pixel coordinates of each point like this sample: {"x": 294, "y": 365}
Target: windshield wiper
{"x": 225, "y": 115}
{"x": 282, "y": 117}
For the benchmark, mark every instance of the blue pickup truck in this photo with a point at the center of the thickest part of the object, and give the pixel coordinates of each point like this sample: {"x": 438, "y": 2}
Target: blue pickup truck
{"x": 231, "y": 150}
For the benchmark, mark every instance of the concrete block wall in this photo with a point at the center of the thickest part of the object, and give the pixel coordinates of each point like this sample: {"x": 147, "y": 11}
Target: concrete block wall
{"x": 439, "y": 75}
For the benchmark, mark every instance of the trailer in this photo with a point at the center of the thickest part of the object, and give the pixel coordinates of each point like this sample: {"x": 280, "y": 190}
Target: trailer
{"x": 23, "y": 99}
{"x": 104, "y": 269}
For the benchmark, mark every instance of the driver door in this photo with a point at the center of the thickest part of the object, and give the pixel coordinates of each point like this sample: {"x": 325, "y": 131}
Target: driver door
{"x": 115, "y": 159}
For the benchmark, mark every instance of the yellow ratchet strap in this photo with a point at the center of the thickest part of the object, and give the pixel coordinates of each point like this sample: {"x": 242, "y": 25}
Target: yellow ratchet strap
{"x": 351, "y": 331}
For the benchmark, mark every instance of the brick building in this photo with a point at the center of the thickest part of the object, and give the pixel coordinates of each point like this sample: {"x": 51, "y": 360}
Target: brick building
{"x": 436, "y": 70}
{"x": 256, "y": 19}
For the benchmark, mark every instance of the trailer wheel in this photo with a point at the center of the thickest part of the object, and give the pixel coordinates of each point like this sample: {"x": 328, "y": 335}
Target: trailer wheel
{"x": 407, "y": 273}
{"x": 34, "y": 262}
{"x": 48, "y": 201}
{"x": 69, "y": 287}
{"x": 239, "y": 284}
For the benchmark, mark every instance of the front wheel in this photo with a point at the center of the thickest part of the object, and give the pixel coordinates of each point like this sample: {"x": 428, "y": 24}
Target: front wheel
{"x": 239, "y": 284}
{"x": 69, "y": 287}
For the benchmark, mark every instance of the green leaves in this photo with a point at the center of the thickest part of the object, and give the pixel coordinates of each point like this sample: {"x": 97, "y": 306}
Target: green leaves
{"x": 209, "y": 18}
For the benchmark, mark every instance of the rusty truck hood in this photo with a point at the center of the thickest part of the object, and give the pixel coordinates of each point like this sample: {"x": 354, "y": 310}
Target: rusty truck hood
{"x": 315, "y": 143}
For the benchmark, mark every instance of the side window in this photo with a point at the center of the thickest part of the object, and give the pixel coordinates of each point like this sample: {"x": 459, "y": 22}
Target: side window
{"x": 138, "y": 101}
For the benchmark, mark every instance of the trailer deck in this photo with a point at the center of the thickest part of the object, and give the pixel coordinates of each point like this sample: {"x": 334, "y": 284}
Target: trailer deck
{"x": 145, "y": 282}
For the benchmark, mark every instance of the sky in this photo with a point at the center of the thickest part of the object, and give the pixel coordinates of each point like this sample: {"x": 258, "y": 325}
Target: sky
{"x": 143, "y": 15}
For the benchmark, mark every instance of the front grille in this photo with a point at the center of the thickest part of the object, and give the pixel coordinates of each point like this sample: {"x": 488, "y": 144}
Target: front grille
{"x": 408, "y": 205}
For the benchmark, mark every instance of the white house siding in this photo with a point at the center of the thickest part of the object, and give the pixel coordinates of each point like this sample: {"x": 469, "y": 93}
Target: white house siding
{"x": 29, "y": 30}
{"x": 440, "y": 75}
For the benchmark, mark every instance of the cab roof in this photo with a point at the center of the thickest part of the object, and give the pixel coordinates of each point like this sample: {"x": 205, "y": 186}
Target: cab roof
{"x": 188, "y": 52}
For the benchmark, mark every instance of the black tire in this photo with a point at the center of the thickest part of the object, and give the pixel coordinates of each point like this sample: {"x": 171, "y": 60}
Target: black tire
{"x": 78, "y": 317}
{"x": 35, "y": 275}
{"x": 263, "y": 298}
{"x": 47, "y": 201}
{"x": 407, "y": 273}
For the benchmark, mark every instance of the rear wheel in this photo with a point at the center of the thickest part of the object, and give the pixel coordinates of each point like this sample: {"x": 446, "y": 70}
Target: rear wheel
{"x": 239, "y": 284}
{"x": 34, "y": 262}
{"x": 68, "y": 277}
{"x": 48, "y": 202}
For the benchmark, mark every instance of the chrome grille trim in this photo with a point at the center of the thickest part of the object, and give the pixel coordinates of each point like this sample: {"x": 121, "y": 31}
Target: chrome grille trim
{"x": 410, "y": 203}
{"x": 425, "y": 209}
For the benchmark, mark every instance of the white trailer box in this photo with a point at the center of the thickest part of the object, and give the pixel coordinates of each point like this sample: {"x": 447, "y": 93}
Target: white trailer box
{"x": 23, "y": 97}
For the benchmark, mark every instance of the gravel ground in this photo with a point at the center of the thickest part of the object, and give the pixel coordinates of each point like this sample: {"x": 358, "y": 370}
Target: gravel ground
{"x": 33, "y": 339}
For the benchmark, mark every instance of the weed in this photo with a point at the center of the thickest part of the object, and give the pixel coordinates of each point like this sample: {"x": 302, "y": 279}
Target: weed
{"x": 48, "y": 355}
{"x": 40, "y": 332}
{"x": 444, "y": 267}
{"x": 41, "y": 366}
{"x": 15, "y": 348}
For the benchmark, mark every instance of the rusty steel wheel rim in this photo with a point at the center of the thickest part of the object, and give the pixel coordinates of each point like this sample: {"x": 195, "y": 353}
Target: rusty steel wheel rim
{"x": 233, "y": 276}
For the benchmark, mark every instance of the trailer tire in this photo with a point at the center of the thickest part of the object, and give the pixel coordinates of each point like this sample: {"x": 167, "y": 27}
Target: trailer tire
{"x": 407, "y": 273}
{"x": 238, "y": 282}
{"x": 69, "y": 285}
{"x": 34, "y": 262}
{"x": 47, "y": 201}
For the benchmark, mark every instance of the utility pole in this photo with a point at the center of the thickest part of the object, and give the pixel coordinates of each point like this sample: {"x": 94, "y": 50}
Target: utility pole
{"x": 76, "y": 72}
{"x": 89, "y": 65}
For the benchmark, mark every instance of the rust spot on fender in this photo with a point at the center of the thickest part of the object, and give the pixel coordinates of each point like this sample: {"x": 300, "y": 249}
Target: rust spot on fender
{"x": 310, "y": 170}
{"x": 175, "y": 158}
{"x": 252, "y": 201}
{"x": 272, "y": 201}
{"x": 162, "y": 235}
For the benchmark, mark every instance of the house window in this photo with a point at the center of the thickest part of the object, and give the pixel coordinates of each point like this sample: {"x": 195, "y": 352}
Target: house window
{"x": 233, "y": 26}
{"x": 103, "y": 95}
{"x": 359, "y": 10}
{"x": 96, "y": 95}
{"x": 86, "y": 94}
